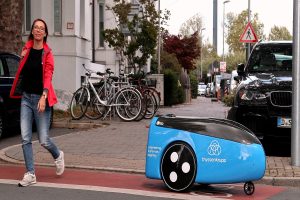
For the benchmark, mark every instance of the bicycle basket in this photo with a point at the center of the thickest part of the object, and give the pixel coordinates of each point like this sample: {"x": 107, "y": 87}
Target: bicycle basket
{"x": 151, "y": 82}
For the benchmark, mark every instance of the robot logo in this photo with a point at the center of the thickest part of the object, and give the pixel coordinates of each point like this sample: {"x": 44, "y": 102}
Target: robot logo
{"x": 214, "y": 149}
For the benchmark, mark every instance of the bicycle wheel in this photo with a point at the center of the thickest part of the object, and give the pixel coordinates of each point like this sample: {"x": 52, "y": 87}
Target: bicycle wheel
{"x": 79, "y": 103}
{"x": 143, "y": 110}
{"x": 94, "y": 109}
{"x": 150, "y": 105}
{"x": 129, "y": 104}
{"x": 157, "y": 97}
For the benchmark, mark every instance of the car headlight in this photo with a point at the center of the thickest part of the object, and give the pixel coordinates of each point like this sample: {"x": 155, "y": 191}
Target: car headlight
{"x": 252, "y": 96}
{"x": 248, "y": 95}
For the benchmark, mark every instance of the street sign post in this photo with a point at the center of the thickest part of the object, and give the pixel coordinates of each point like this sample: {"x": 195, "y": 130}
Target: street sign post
{"x": 248, "y": 35}
{"x": 222, "y": 66}
{"x": 295, "y": 140}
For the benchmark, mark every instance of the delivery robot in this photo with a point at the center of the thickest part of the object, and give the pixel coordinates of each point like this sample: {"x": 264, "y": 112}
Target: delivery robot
{"x": 186, "y": 150}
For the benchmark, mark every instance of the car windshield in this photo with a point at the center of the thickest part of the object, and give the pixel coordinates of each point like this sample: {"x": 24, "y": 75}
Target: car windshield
{"x": 270, "y": 58}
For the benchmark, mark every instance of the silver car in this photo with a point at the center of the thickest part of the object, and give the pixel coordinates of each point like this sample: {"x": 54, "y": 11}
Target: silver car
{"x": 201, "y": 89}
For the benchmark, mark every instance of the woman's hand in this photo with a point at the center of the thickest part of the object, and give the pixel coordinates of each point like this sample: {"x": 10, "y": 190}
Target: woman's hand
{"x": 23, "y": 53}
{"x": 42, "y": 104}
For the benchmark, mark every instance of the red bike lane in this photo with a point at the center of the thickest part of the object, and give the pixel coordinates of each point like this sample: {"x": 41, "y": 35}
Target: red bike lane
{"x": 136, "y": 182}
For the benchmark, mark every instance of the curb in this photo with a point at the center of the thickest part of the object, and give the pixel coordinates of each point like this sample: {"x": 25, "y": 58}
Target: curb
{"x": 280, "y": 181}
{"x": 80, "y": 125}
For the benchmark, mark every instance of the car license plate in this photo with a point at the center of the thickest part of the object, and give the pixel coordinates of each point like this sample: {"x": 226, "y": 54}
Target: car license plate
{"x": 284, "y": 122}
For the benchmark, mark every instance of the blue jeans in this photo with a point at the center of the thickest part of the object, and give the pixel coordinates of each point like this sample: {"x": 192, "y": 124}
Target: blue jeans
{"x": 29, "y": 112}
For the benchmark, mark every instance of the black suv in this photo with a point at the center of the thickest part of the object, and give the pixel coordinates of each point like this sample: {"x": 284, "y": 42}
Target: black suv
{"x": 263, "y": 99}
{"x": 9, "y": 108}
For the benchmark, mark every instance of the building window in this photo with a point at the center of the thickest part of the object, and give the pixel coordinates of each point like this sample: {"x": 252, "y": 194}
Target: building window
{"x": 27, "y": 15}
{"x": 101, "y": 23}
{"x": 57, "y": 16}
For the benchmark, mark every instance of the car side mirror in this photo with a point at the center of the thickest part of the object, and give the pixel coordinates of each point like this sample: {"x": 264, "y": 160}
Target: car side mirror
{"x": 241, "y": 69}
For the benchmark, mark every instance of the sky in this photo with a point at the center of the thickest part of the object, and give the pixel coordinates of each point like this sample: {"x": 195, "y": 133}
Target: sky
{"x": 270, "y": 13}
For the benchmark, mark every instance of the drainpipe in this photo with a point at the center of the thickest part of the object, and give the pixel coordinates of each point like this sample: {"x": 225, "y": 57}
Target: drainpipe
{"x": 93, "y": 31}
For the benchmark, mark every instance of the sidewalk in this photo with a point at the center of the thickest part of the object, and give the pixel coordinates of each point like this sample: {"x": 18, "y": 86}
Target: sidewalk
{"x": 121, "y": 146}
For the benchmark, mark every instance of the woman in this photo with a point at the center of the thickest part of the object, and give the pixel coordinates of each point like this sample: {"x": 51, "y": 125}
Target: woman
{"x": 33, "y": 83}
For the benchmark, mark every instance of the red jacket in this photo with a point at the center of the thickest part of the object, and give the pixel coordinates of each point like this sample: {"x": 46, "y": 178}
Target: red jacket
{"x": 48, "y": 68}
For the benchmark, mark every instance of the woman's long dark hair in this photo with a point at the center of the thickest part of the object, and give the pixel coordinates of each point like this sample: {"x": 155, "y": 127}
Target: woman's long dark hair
{"x": 30, "y": 37}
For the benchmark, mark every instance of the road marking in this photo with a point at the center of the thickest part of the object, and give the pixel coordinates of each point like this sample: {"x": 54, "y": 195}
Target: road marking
{"x": 168, "y": 195}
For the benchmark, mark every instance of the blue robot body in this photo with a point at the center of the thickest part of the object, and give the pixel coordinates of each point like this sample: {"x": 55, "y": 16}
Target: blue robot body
{"x": 202, "y": 150}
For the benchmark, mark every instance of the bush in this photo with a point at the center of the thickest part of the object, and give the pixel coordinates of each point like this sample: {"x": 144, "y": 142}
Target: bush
{"x": 228, "y": 100}
{"x": 194, "y": 86}
{"x": 180, "y": 95}
{"x": 173, "y": 92}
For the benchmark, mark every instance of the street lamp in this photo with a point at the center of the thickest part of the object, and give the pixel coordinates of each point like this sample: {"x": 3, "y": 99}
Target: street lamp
{"x": 159, "y": 41}
{"x": 201, "y": 46}
{"x": 227, "y": 1}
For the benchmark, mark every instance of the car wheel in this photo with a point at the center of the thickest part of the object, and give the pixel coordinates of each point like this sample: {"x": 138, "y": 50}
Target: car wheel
{"x": 178, "y": 167}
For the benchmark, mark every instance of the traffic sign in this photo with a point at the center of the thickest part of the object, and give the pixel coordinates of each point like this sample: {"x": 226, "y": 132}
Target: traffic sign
{"x": 222, "y": 66}
{"x": 248, "y": 35}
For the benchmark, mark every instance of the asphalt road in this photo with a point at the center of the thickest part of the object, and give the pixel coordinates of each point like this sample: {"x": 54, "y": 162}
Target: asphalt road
{"x": 91, "y": 184}
{"x": 9, "y": 192}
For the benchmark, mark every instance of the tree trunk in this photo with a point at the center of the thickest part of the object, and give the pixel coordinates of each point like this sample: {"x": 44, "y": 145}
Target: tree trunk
{"x": 11, "y": 18}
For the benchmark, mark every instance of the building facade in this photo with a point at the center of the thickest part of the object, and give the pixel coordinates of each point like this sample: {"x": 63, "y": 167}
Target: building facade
{"x": 74, "y": 35}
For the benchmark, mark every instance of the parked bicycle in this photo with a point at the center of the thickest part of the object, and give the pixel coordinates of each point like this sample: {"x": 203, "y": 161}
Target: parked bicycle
{"x": 103, "y": 98}
{"x": 150, "y": 95}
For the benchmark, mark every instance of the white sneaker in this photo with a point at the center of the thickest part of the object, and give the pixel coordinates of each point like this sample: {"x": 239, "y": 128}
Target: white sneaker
{"x": 60, "y": 164}
{"x": 27, "y": 180}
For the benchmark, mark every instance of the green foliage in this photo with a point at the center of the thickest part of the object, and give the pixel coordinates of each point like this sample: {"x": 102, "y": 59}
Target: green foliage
{"x": 280, "y": 33}
{"x": 173, "y": 92}
{"x": 228, "y": 100}
{"x": 180, "y": 95}
{"x": 236, "y": 25}
{"x": 232, "y": 60}
{"x": 154, "y": 66}
{"x": 194, "y": 85}
{"x": 143, "y": 27}
{"x": 209, "y": 55}
{"x": 192, "y": 25}
{"x": 169, "y": 61}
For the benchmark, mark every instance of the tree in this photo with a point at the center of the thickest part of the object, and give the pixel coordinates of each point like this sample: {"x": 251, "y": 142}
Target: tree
{"x": 232, "y": 60}
{"x": 11, "y": 18}
{"x": 279, "y": 33}
{"x": 169, "y": 61}
{"x": 185, "y": 48}
{"x": 209, "y": 55}
{"x": 192, "y": 25}
{"x": 236, "y": 25}
{"x": 142, "y": 28}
